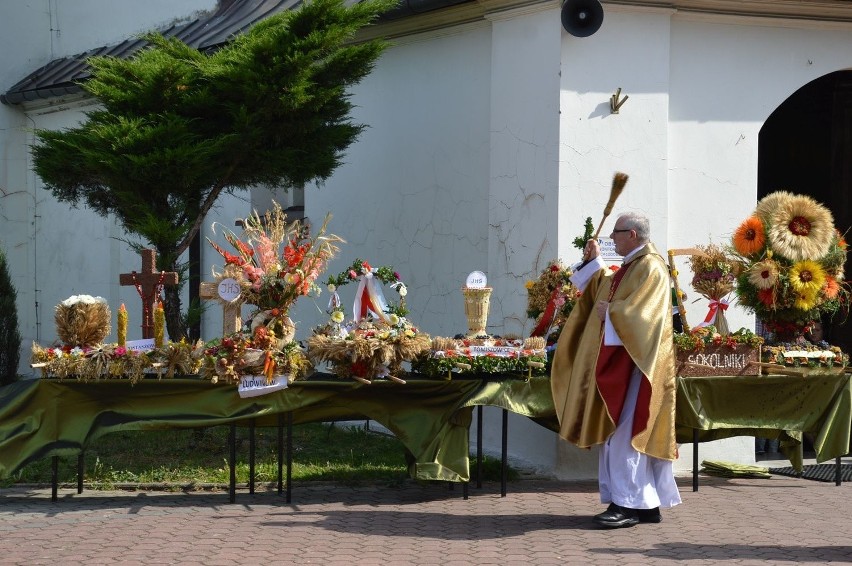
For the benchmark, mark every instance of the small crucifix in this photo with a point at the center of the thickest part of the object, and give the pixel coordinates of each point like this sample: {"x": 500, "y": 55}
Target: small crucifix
{"x": 231, "y": 311}
{"x": 148, "y": 284}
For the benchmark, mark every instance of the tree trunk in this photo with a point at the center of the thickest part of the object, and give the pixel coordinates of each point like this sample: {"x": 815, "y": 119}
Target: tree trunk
{"x": 174, "y": 319}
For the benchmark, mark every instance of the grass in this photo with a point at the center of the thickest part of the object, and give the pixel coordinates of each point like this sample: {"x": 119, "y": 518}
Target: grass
{"x": 187, "y": 459}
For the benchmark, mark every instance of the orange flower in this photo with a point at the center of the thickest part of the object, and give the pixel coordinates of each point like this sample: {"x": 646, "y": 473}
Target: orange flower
{"x": 831, "y": 288}
{"x": 750, "y": 237}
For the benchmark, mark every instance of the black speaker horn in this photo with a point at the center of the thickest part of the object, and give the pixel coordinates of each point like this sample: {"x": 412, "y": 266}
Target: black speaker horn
{"x": 582, "y": 18}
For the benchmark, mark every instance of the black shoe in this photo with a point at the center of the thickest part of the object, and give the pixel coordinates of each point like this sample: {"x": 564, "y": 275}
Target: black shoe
{"x": 616, "y": 517}
{"x": 650, "y": 515}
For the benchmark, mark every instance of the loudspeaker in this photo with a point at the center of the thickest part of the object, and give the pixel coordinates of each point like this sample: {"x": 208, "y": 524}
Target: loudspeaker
{"x": 582, "y": 18}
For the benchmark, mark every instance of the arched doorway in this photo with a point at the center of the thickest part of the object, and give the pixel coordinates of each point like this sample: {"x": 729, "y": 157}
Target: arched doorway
{"x": 805, "y": 147}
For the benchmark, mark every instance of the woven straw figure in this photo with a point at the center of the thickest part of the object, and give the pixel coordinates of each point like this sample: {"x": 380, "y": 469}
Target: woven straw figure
{"x": 82, "y": 320}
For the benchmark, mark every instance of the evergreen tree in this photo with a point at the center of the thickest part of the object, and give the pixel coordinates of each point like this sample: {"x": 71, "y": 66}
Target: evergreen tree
{"x": 178, "y": 127}
{"x": 10, "y": 336}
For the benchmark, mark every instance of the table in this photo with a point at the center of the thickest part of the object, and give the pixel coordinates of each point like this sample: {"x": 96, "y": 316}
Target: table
{"x": 712, "y": 408}
{"x": 48, "y": 418}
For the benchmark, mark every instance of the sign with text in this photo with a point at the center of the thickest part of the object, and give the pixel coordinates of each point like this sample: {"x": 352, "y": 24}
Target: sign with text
{"x": 718, "y": 360}
{"x": 476, "y": 280}
{"x": 145, "y": 345}
{"x": 256, "y": 385}
{"x": 228, "y": 289}
{"x": 608, "y": 253}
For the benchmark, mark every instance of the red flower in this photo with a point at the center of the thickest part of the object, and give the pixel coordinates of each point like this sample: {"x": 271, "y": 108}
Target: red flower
{"x": 360, "y": 369}
{"x": 766, "y": 296}
{"x": 614, "y": 268}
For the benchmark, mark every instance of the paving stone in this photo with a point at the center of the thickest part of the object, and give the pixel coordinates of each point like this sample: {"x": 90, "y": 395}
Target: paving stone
{"x": 738, "y": 521}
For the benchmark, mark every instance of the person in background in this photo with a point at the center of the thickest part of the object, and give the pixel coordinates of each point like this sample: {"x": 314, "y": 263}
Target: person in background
{"x": 613, "y": 376}
{"x": 763, "y": 445}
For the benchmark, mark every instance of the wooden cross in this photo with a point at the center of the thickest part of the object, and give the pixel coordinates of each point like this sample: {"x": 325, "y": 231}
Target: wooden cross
{"x": 231, "y": 312}
{"x": 148, "y": 285}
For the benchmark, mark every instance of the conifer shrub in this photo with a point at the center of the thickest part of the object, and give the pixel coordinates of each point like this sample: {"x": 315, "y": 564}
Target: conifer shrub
{"x": 10, "y": 336}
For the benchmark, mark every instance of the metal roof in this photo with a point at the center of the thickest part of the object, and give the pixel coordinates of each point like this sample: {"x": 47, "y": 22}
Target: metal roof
{"x": 61, "y": 76}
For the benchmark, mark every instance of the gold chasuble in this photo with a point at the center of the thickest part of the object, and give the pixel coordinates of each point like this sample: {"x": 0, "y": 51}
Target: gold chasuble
{"x": 588, "y": 400}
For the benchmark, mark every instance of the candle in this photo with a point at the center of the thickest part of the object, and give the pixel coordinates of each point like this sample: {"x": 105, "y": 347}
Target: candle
{"x": 122, "y": 326}
{"x": 159, "y": 324}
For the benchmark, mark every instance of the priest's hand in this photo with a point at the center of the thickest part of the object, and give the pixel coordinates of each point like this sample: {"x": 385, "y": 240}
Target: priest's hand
{"x": 592, "y": 250}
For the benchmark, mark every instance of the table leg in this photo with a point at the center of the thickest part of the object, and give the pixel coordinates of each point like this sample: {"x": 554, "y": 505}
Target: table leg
{"x": 54, "y": 477}
{"x": 695, "y": 459}
{"x": 80, "y": 470}
{"x": 232, "y": 441}
{"x": 289, "y": 456}
{"x": 280, "y": 453}
{"x": 251, "y": 455}
{"x": 479, "y": 447}
{"x": 504, "y": 470}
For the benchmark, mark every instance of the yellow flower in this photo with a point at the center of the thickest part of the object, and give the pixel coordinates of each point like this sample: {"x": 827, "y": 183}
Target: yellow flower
{"x": 805, "y": 301}
{"x": 529, "y": 285}
{"x": 393, "y": 319}
{"x": 337, "y": 317}
{"x": 763, "y": 274}
{"x": 807, "y": 278}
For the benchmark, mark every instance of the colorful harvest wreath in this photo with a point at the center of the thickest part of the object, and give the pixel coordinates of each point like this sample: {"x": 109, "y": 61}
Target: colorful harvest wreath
{"x": 362, "y": 269}
{"x": 714, "y": 277}
{"x": 793, "y": 259}
{"x": 111, "y": 361}
{"x": 705, "y": 336}
{"x": 550, "y": 299}
{"x": 476, "y": 356}
{"x": 230, "y": 358}
{"x": 369, "y": 348}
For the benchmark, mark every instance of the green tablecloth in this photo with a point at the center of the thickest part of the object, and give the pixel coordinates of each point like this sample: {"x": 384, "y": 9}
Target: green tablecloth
{"x": 531, "y": 398}
{"x": 45, "y": 417}
{"x": 772, "y": 406}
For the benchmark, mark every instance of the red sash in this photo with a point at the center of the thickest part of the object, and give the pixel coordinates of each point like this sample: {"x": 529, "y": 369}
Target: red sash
{"x": 612, "y": 374}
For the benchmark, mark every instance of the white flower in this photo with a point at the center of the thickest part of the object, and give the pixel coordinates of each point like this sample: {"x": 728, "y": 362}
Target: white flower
{"x": 77, "y": 352}
{"x": 337, "y": 317}
{"x": 403, "y": 290}
{"x": 331, "y": 288}
{"x": 394, "y": 319}
{"x": 84, "y": 299}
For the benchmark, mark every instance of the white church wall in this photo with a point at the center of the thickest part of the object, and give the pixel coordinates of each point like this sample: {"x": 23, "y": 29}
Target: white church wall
{"x": 631, "y": 51}
{"x": 413, "y": 190}
{"x": 54, "y": 252}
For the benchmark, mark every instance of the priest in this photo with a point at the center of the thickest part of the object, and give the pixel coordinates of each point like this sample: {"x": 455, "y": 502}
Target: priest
{"x": 613, "y": 376}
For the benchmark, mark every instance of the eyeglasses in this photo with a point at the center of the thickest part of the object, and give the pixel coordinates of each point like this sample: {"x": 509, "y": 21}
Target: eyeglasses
{"x": 615, "y": 231}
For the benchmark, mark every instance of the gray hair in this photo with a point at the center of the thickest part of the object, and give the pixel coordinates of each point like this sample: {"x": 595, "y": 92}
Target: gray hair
{"x": 639, "y": 223}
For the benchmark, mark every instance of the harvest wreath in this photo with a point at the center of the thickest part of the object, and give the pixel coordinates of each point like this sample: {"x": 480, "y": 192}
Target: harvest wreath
{"x": 111, "y": 361}
{"x": 449, "y": 356}
{"x": 369, "y": 348}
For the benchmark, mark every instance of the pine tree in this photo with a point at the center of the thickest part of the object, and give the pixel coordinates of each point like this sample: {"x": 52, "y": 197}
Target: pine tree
{"x": 10, "y": 336}
{"x": 178, "y": 127}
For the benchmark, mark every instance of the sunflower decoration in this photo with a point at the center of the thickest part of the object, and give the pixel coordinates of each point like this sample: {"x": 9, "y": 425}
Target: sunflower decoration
{"x": 793, "y": 259}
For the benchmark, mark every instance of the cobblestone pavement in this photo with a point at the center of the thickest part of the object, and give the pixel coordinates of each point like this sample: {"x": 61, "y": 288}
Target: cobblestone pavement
{"x": 742, "y": 521}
